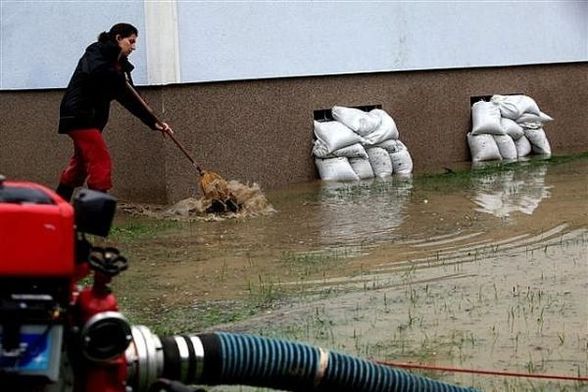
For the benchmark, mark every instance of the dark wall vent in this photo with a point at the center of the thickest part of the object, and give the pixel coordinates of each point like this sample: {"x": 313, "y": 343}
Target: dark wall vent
{"x": 486, "y": 98}
{"x": 322, "y": 115}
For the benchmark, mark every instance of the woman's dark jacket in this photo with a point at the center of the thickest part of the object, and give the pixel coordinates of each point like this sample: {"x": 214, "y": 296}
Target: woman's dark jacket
{"x": 97, "y": 80}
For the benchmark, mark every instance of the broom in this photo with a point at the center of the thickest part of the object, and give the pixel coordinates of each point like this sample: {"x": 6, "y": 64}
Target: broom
{"x": 213, "y": 186}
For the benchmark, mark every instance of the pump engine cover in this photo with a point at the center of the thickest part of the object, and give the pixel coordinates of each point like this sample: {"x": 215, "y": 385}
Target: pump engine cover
{"x": 36, "y": 232}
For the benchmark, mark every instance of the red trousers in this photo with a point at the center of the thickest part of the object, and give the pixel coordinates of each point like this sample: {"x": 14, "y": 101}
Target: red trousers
{"x": 90, "y": 162}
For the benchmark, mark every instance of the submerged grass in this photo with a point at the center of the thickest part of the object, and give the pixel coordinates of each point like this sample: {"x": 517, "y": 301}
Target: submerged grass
{"x": 190, "y": 319}
{"x": 141, "y": 229}
{"x": 462, "y": 178}
{"x": 317, "y": 261}
{"x": 533, "y": 335}
{"x": 394, "y": 185}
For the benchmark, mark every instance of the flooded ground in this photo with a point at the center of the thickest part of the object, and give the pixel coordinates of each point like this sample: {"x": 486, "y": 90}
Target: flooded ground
{"x": 482, "y": 270}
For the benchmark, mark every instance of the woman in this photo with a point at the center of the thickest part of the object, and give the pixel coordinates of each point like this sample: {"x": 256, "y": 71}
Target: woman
{"x": 100, "y": 77}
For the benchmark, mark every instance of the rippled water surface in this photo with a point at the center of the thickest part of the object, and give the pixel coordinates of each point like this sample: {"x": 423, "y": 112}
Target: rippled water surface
{"x": 484, "y": 271}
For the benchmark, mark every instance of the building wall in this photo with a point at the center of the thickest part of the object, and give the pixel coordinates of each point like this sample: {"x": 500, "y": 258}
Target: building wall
{"x": 261, "y": 130}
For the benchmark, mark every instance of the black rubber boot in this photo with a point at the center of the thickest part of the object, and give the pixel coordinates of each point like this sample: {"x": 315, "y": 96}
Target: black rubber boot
{"x": 65, "y": 191}
{"x": 232, "y": 205}
{"x": 217, "y": 207}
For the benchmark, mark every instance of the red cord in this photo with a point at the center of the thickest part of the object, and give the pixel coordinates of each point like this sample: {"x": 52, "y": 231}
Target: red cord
{"x": 487, "y": 372}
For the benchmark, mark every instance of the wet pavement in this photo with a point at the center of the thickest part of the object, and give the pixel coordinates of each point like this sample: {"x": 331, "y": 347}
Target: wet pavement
{"x": 482, "y": 271}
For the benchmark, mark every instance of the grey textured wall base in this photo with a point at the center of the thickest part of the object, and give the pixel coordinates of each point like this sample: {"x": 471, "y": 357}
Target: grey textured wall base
{"x": 261, "y": 130}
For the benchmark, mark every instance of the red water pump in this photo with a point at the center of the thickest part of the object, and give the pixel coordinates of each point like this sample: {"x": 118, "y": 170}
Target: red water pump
{"x": 55, "y": 335}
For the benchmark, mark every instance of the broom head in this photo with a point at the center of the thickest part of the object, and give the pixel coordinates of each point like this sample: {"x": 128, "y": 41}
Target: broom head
{"x": 213, "y": 186}
{"x": 216, "y": 189}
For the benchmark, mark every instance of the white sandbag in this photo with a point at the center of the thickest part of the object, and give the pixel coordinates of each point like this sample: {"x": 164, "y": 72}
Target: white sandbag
{"x": 380, "y": 161}
{"x": 483, "y": 147}
{"x": 523, "y": 146}
{"x": 389, "y": 145}
{"x": 362, "y": 167}
{"x": 513, "y": 106}
{"x": 531, "y": 117}
{"x": 335, "y": 169}
{"x": 386, "y": 130}
{"x": 486, "y": 119}
{"x": 538, "y": 140}
{"x": 533, "y": 121}
{"x": 545, "y": 117}
{"x": 357, "y": 120}
{"x": 334, "y": 135}
{"x": 401, "y": 159}
{"x": 353, "y": 151}
{"x": 506, "y": 146}
{"x": 511, "y": 128}
{"x": 320, "y": 149}
{"x": 531, "y": 125}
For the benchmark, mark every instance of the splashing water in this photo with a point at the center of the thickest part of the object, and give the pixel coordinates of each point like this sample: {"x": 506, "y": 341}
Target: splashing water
{"x": 250, "y": 198}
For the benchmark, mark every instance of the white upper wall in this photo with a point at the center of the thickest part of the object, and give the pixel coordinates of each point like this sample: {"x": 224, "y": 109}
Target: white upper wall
{"x": 195, "y": 41}
{"x": 42, "y": 41}
{"x": 242, "y": 40}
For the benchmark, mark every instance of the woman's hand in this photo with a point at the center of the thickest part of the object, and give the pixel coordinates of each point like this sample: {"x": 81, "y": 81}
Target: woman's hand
{"x": 164, "y": 128}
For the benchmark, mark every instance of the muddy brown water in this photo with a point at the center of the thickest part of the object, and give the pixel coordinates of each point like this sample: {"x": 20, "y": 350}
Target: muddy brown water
{"x": 486, "y": 272}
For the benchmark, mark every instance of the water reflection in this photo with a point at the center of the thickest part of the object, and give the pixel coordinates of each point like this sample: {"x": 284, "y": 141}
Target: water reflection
{"x": 362, "y": 212}
{"x": 505, "y": 192}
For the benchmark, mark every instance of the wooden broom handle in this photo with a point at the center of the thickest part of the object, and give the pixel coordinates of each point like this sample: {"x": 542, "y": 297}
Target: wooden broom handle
{"x": 160, "y": 123}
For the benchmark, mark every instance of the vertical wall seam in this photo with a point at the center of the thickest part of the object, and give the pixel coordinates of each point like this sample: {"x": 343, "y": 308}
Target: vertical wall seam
{"x": 163, "y": 58}
{"x": 162, "y": 42}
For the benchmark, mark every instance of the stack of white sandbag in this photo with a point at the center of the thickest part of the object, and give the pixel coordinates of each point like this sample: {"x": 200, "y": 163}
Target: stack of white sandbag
{"x": 358, "y": 145}
{"x": 508, "y": 127}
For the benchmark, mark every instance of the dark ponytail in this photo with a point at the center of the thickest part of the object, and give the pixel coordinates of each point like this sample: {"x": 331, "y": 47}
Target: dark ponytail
{"x": 122, "y": 29}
